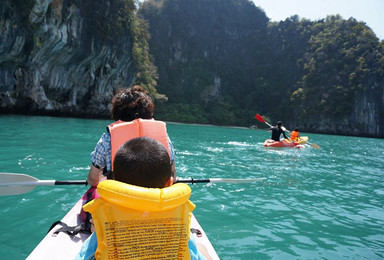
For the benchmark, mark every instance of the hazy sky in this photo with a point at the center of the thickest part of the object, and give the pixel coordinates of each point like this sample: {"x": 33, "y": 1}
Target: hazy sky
{"x": 369, "y": 11}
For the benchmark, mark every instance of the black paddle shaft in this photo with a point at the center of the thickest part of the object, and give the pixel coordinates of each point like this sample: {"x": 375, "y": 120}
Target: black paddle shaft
{"x": 193, "y": 181}
{"x": 70, "y": 182}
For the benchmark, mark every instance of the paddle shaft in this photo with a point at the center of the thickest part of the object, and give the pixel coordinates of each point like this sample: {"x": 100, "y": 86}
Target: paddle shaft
{"x": 71, "y": 183}
{"x": 268, "y": 124}
{"x": 54, "y": 182}
{"x": 219, "y": 180}
{"x": 192, "y": 181}
{"x": 13, "y": 183}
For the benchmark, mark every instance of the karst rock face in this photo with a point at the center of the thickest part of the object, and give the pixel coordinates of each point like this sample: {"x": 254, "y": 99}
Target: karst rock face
{"x": 366, "y": 118}
{"x": 62, "y": 57}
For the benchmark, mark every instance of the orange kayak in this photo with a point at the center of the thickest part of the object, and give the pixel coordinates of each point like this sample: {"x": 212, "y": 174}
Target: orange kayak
{"x": 283, "y": 143}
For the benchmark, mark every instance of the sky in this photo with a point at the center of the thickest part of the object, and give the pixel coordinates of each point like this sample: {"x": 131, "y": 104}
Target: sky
{"x": 369, "y": 11}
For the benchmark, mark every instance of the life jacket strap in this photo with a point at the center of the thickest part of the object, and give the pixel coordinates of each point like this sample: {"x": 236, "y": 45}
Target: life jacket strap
{"x": 71, "y": 230}
{"x": 85, "y": 226}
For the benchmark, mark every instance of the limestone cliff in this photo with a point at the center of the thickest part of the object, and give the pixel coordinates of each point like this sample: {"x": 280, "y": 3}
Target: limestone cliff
{"x": 64, "y": 56}
{"x": 366, "y": 118}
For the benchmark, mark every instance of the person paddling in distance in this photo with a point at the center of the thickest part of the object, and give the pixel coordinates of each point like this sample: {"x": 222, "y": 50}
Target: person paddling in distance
{"x": 127, "y": 105}
{"x": 141, "y": 168}
{"x": 295, "y": 135}
{"x": 277, "y": 131}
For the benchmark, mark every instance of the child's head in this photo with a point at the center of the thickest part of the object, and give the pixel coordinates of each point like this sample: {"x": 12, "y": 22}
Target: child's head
{"x": 143, "y": 162}
{"x": 132, "y": 103}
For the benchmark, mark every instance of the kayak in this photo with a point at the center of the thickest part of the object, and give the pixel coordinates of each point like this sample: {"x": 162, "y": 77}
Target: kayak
{"x": 283, "y": 143}
{"x": 63, "y": 246}
{"x": 302, "y": 140}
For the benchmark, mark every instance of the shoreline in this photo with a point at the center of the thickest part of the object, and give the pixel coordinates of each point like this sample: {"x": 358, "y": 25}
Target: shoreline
{"x": 101, "y": 117}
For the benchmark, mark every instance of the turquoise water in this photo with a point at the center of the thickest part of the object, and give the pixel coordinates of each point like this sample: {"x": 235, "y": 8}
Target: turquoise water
{"x": 323, "y": 203}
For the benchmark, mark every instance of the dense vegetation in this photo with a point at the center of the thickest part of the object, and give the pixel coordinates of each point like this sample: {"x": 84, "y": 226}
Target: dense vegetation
{"x": 118, "y": 19}
{"x": 222, "y": 61}
{"x": 342, "y": 59}
{"x": 203, "y": 61}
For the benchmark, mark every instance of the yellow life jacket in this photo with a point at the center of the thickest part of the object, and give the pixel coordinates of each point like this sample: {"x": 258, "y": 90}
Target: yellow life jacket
{"x": 294, "y": 136}
{"x": 121, "y": 132}
{"x": 133, "y": 222}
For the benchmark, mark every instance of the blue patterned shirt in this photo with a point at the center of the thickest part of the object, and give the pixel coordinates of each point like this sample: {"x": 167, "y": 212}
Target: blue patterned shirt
{"x": 101, "y": 155}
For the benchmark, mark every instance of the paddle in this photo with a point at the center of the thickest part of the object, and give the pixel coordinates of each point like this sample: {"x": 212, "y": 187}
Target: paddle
{"x": 219, "y": 180}
{"x": 15, "y": 183}
{"x": 315, "y": 146}
{"x": 261, "y": 119}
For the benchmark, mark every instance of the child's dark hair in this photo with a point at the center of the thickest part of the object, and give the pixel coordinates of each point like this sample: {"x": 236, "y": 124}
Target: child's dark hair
{"x": 142, "y": 162}
{"x": 132, "y": 103}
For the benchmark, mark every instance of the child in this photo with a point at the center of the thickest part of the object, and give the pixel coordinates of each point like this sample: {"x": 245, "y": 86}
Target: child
{"x": 142, "y": 162}
{"x": 295, "y": 135}
{"x": 126, "y": 106}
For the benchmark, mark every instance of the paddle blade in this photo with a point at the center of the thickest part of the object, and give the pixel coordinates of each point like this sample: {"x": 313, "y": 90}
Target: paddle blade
{"x": 260, "y": 118}
{"x": 315, "y": 146}
{"x": 15, "y": 177}
{"x": 10, "y": 190}
{"x": 13, "y": 183}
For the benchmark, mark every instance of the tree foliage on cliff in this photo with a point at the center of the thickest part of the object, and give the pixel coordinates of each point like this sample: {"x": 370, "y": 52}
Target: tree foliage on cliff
{"x": 225, "y": 58}
{"x": 146, "y": 75}
{"x": 116, "y": 20}
{"x": 340, "y": 61}
{"x": 196, "y": 42}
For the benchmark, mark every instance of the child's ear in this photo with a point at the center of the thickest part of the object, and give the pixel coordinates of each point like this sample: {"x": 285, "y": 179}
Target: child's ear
{"x": 169, "y": 182}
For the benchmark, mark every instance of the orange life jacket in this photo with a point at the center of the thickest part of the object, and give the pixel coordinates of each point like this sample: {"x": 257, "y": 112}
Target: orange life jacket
{"x": 294, "y": 135}
{"x": 121, "y": 132}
